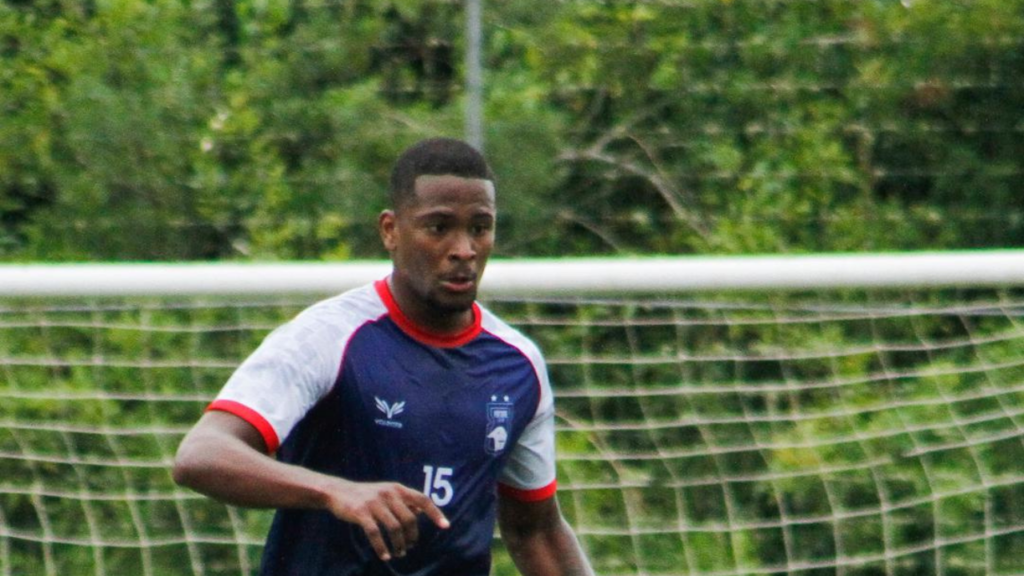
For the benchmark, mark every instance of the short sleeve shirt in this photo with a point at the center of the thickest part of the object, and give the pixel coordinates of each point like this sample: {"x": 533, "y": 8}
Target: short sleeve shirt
{"x": 351, "y": 387}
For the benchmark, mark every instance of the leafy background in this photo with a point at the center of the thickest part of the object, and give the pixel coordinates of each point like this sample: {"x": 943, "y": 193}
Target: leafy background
{"x": 265, "y": 129}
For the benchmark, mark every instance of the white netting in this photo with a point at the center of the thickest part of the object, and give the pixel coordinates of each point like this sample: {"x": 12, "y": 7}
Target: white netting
{"x": 840, "y": 433}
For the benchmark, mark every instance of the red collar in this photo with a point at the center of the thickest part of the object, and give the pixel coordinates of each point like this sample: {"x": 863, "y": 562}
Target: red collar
{"x": 420, "y": 333}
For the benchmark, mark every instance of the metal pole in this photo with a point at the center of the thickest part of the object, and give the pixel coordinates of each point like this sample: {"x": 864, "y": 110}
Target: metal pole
{"x": 474, "y": 75}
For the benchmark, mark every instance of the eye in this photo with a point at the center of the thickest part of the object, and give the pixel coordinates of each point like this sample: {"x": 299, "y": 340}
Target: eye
{"x": 437, "y": 228}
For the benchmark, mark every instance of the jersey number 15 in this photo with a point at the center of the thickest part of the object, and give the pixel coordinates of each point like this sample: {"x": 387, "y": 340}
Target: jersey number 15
{"x": 437, "y": 484}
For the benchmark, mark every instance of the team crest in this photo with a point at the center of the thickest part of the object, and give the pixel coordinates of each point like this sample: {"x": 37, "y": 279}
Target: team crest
{"x": 499, "y": 420}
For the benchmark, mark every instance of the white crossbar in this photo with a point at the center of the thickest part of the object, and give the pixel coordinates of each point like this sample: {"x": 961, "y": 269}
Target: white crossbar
{"x": 570, "y": 276}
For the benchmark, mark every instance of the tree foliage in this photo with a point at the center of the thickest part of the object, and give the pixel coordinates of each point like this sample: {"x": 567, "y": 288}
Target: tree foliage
{"x": 176, "y": 130}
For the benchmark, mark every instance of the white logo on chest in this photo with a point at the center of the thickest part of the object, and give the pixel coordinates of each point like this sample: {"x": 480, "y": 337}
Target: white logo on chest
{"x": 390, "y": 411}
{"x": 499, "y": 437}
{"x": 499, "y": 418}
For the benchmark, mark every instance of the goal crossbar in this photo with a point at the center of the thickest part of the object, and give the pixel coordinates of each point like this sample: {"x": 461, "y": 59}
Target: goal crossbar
{"x": 507, "y": 277}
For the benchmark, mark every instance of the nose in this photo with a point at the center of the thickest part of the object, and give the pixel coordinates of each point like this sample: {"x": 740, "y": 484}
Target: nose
{"x": 462, "y": 248}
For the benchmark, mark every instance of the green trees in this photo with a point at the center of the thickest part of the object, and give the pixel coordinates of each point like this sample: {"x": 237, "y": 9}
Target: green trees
{"x": 183, "y": 130}
{"x": 791, "y": 126}
{"x": 101, "y": 106}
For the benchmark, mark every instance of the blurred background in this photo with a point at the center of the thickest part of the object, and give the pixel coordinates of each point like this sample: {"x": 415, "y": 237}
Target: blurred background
{"x": 265, "y": 129}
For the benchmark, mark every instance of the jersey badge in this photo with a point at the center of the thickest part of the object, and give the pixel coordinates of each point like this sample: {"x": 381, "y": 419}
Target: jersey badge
{"x": 499, "y": 418}
{"x": 390, "y": 411}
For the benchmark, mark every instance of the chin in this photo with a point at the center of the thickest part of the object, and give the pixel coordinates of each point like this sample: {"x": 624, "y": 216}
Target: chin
{"x": 459, "y": 303}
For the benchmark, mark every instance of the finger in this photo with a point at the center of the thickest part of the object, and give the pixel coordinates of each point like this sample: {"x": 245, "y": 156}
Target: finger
{"x": 422, "y": 503}
{"x": 376, "y": 538}
{"x": 410, "y": 526}
{"x": 395, "y": 530}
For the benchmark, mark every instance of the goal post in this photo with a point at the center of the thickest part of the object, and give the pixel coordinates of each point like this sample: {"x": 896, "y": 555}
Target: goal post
{"x": 814, "y": 414}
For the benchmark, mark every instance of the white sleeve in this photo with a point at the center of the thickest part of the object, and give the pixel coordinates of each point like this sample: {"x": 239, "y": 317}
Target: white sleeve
{"x": 294, "y": 367}
{"x": 529, "y": 474}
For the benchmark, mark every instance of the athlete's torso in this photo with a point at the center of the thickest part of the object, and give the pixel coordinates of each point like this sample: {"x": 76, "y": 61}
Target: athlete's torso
{"x": 438, "y": 420}
{"x": 443, "y": 417}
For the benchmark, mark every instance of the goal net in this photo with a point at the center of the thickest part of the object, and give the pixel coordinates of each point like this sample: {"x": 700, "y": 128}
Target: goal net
{"x": 730, "y": 430}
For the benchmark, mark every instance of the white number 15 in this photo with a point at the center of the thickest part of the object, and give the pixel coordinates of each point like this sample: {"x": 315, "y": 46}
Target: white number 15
{"x": 436, "y": 483}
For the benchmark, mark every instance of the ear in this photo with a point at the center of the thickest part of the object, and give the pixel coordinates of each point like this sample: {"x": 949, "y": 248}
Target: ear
{"x": 386, "y": 227}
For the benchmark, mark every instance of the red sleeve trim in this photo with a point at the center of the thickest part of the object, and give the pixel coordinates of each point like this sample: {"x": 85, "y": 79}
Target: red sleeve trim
{"x": 252, "y": 417}
{"x": 535, "y": 495}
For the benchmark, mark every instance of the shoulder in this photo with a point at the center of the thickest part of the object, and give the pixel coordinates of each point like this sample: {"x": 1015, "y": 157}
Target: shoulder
{"x": 498, "y": 328}
{"x": 359, "y": 304}
{"x": 492, "y": 324}
{"x": 336, "y": 316}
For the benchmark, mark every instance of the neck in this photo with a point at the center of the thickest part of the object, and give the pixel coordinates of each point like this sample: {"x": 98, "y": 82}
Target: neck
{"x": 434, "y": 319}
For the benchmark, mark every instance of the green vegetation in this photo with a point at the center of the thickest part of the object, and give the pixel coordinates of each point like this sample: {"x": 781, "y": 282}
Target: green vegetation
{"x": 210, "y": 129}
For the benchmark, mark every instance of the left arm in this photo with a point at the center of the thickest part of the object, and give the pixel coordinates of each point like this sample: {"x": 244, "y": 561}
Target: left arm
{"x": 539, "y": 540}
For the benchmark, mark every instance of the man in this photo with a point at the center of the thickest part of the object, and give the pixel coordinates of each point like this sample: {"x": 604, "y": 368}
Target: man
{"x": 404, "y": 417}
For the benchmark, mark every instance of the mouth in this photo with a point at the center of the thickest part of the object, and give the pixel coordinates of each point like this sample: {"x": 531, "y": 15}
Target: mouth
{"x": 463, "y": 282}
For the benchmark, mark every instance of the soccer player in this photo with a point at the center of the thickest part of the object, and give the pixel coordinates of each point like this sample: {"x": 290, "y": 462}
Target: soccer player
{"x": 391, "y": 425}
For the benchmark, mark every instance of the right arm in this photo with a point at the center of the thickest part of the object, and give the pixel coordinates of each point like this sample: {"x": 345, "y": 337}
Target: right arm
{"x": 224, "y": 457}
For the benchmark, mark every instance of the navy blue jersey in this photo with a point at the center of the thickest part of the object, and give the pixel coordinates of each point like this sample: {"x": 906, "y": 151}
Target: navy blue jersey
{"x": 352, "y": 388}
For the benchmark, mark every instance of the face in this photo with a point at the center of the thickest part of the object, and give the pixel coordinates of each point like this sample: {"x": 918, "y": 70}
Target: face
{"x": 439, "y": 243}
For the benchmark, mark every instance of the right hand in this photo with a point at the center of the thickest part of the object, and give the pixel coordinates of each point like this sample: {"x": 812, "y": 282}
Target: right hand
{"x": 380, "y": 506}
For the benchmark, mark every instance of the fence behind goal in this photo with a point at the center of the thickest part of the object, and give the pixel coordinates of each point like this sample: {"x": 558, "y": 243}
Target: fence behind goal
{"x": 802, "y": 415}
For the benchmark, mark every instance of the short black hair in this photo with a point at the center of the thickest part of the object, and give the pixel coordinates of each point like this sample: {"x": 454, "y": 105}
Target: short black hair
{"x": 435, "y": 157}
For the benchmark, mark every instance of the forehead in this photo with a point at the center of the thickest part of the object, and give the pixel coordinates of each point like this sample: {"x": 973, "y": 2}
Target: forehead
{"x": 452, "y": 191}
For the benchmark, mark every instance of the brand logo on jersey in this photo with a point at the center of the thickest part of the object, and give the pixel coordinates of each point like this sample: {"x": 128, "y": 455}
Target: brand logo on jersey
{"x": 499, "y": 418}
{"x": 390, "y": 411}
